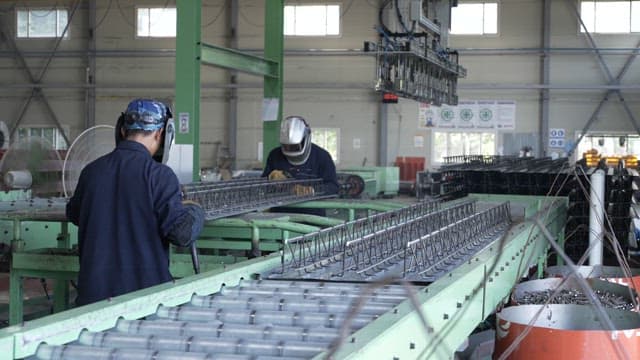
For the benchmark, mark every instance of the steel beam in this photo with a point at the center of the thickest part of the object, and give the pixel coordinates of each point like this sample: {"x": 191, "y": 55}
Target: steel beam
{"x": 544, "y": 79}
{"x": 609, "y": 76}
{"x": 383, "y": 128}
{"x": 232, "y": 106}
{"x": 233, "y": 59}
{"x": 187, "y": 87}
{"x": 272, "y": 88}
{"x": 90, "y": 80}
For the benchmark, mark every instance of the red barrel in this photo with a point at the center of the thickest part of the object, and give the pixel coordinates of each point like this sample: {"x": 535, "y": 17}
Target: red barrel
{"x": 565, "y": 332}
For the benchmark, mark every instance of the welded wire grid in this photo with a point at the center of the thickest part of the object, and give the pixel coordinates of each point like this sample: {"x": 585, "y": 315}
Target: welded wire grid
{"x": 306, "y": 253}
{"x": 382, "y": 250}
{"x": 422, "y": 248}
{"x": 435, "y": 253}
{"x": 226, "y": 198}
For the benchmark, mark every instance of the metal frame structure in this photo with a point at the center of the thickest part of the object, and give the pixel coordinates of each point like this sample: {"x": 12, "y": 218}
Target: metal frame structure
{"x": 191, "y": 53}
{"x": 433, "y": 323}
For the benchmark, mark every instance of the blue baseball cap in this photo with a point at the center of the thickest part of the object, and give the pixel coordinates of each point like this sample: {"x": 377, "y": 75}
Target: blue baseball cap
{"x": 146, "y": 114}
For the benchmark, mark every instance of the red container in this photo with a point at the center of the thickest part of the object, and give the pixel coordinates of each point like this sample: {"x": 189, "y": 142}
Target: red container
{"x": 409, "y": 166}
{"x": 565, "y": 332}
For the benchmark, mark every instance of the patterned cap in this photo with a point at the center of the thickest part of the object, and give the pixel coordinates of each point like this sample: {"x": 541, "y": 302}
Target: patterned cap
{"x": 146, "y": 114}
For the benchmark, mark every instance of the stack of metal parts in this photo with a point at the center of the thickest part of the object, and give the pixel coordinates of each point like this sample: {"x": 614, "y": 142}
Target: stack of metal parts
{"x": 257, "y": 320}
{"x": 227, "y": 198}
{"x": 411, "y": 68}
{"x": 420, "y": 244}
{"x": 573, "y": 296}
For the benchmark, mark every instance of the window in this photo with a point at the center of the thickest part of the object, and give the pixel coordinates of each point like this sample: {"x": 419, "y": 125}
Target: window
{"x": 610, "y": 17}
{"x": 327, "y": 138}
{"x": 156, "y": 22}
{"x": 452, "y": 143}
{"x": 51, "y": 134}
{"x": 312, "y": 20}
{"x": 479, "y": 18}
{"x": 41, "y": 23}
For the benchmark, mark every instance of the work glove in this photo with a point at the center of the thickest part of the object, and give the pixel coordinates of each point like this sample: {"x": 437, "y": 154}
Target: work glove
{"x": 197, "y": 214}
{"x": 188, "y": 227}
{"x": 278, "y": 175}
{"x": 301, "y": 190}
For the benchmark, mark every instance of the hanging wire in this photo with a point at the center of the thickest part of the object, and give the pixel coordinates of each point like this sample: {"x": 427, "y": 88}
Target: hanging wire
{"x": 246, "y": 19}
{"x": 104, "y": 16}
{"x": 215, "y": 18}
{"x": 48, "y": 12}
{"x": 588, "y": 291}
{"x": 346, "y": 9}
{"x": 123, "y": 16}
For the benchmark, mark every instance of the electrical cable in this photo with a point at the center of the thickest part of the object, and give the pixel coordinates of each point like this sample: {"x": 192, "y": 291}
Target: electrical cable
{"x": 123, "y": 16}
{"x": 347, "y": 8}
{"x": 215, "y": 18}
{"x": 104, "y": 16}
{"x": 244, "y": 17}
{"x": 588, "y": 291}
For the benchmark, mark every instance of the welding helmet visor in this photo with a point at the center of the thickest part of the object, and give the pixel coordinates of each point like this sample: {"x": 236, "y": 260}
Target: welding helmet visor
{"x": 295, "y": 139}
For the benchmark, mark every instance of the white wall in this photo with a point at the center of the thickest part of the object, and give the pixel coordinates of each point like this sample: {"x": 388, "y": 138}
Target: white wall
{"x": 330, "y": 91}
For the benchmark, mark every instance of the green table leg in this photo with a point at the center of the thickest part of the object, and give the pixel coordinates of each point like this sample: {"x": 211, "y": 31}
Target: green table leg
{"x": 15, "y": 297}
{"x": 60, "y": 295}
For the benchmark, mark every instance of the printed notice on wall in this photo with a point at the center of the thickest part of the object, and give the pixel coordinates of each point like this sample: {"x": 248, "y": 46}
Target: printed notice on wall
{"x": 270, "y": 107}
{"x": 183, "y": 120}
{"x": 469, "y": 114}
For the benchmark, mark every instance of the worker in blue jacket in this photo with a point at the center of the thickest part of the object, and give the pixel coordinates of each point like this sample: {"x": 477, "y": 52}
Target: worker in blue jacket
{"x": 128, "y": 208}
{"x": 299, "y": 158}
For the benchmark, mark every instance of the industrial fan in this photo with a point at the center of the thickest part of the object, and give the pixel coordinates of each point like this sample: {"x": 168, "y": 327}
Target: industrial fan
{"x": 32, "y": 163}
{"x": 87, "y": 147}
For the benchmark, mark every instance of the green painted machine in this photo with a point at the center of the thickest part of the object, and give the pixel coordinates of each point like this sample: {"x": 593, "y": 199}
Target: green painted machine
{"x": 350, "y": 291}
{"x": 379, "y": 180}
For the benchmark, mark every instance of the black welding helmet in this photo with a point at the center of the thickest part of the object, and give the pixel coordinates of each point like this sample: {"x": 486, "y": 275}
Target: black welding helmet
{"x": 295, "y": 139}
{"x": 148, "y": 115}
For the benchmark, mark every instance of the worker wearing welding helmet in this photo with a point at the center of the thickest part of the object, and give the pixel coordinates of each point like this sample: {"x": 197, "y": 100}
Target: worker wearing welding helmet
{"x": 297, "y": 157}
{"x": 128, "y": 208}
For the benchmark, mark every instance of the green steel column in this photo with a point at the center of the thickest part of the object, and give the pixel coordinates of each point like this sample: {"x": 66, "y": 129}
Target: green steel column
{"x": 273, "y": 50}
{"x": 187, "y": 107}
{"x": 15, "y": 297}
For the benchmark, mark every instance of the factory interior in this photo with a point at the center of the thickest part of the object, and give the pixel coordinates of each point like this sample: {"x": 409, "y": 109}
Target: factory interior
{"x": 484, "y": 203}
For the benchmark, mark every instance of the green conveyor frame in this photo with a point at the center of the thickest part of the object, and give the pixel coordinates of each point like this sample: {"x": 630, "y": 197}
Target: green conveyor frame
{"x": 452, "y": 306}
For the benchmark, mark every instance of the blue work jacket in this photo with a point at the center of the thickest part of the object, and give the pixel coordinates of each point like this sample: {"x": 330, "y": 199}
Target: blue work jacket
{"x": 318, "y": 165}
{"x": 124, "y": 205}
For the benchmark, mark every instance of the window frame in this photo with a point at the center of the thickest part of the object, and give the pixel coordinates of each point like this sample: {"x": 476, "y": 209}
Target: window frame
{"x": 595, "y": 12}
{"x": 29, "y": 10}
{"x": 483, "y": 2}
{"x": 336, "y": 158}
{"x": 58, "y": 140}
{"x": 331, "y": 36}
{"x": 436, "y": 162}
{"x": 150, "y": 7}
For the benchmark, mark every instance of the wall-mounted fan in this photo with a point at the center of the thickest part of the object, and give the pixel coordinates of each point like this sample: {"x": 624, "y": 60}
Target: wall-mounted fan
{"x": 87, "y": 147}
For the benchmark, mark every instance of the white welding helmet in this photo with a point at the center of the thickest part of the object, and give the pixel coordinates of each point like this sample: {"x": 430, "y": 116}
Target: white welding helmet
{"x": 295, "y": 139}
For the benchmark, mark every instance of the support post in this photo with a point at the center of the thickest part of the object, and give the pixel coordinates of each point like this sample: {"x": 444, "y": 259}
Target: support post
{"x": 544, "y": 79}
{"x": 273, "y": 50}
{"x": 383, "y": 119}
{"x": 187, "y": 106}
{"x": 596, "y": 217}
